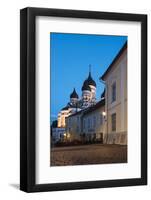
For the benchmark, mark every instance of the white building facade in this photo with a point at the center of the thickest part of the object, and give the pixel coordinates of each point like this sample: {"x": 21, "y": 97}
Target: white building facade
{"x": 93, "y": 121}
{"x": 57, "y": 134}
{"x": 115, "y": 79}
{"x": 74, "y": 126}
{"x": 87, "y": 125}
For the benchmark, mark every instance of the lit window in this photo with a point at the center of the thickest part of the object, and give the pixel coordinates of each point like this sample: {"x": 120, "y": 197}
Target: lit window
{"x": 113, "y": 119}
{"x": 114, "y": 92}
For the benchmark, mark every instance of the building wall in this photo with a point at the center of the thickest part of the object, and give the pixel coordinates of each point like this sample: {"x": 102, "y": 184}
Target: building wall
{"x": 94, "y": 124}
{"x": 93, "y": 93}
{"x": 62, "y": 117}
{"x": 117, "y": 75}
{"x": 81, "y": 124}
{"x": 57, "y": 134}
{"x": 63, "y": 114}
{"x": 73, "y": 127}
{"x": 87, "y": 127}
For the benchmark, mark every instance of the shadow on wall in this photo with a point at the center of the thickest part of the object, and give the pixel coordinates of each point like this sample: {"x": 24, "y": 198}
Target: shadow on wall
{"x": 15, "y": 185}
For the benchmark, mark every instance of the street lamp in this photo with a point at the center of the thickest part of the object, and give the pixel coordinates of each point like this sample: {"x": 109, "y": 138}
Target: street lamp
{"x": 65, "y": 137}
{"x": 104, "y": 114}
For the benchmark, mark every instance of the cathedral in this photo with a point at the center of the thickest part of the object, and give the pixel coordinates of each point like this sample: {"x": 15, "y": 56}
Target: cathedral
{"x": 88, "y": 98}
{"x": 105, "y": 120}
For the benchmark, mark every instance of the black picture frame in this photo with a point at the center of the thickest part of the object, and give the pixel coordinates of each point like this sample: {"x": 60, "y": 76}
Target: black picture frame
{"x": 28, "y": 99}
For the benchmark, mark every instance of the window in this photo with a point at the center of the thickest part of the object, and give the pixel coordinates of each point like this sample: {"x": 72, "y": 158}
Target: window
{"x": 94, "y": 121}
{"x": 69, "y": 121}
{"x": 84, "y": 124}
{"x": 113, "y": 119}
{"x": 114, "y": 92}
{"x": 77, "y": 128}
{"x": 78, "y": 119}
{"x": 89, "y": 125}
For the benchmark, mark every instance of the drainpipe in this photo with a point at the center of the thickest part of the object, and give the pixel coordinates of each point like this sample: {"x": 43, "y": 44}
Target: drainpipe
{"x": 106, "y": 100}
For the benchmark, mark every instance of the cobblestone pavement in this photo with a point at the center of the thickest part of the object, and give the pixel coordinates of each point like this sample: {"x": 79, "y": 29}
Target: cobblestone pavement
{"x": 88, "y": 154}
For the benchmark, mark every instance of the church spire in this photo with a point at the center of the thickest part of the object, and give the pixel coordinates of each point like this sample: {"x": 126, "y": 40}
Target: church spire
{"x": 89, "y": 69}
{"x": 90, "y": 79}
{"x": 74, "y": 94}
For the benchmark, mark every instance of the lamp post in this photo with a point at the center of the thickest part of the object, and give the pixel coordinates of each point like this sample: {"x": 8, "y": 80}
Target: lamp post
{"x": 65, "y": 137}
{"x": 105, "y": 113}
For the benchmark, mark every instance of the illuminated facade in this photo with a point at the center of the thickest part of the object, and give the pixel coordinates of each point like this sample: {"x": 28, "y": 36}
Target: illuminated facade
{"x": 76, "y": 104}
{"x": 84, "y": 119}
{"x": 87, "y": 125}
{"x": 106, "y": 120}
{"x": 115, "y": 79}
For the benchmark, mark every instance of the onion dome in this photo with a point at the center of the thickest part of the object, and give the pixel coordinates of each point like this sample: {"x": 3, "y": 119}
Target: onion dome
{"x": 90, "y": 80}
{"x": 86, "y": 86}
{"x": 86, "y": 82}
{"x": 74, "y": 94}
{"x": 103, "y": 94}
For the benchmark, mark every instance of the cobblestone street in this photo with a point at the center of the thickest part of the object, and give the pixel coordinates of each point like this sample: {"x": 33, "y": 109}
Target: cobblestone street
{"x": 88, "y": 154}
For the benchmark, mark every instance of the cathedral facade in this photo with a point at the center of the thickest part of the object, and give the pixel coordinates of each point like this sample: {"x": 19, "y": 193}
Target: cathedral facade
{"x": 76, "y": 104}
{"x": 82, "y": 118}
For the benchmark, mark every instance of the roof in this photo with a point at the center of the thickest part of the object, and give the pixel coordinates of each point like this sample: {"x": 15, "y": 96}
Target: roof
{"x": 113, "y": 62}
{"x": 95, "y": 107}
{"x": 74, "y": 94}
{"x": 90, "y": 109}
{"x": 76, "y": 113}
{"x": 90, "y": 80}
{"x": 65, "y": 108}
{"x": 86, "y": 86}
{"x": 103, "y": 94}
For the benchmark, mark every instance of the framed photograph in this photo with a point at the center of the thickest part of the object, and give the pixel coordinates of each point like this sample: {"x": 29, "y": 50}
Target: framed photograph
{"x": 83, "y": 99}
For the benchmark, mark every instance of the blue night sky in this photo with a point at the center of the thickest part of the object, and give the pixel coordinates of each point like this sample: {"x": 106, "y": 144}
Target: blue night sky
{"x": 71, "y": 55}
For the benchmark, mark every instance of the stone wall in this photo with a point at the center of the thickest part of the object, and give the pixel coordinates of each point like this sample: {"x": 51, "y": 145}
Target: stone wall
{"x": 116, "y": 138}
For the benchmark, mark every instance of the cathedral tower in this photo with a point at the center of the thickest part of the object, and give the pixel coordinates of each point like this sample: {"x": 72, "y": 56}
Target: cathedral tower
{"x": 86, "y": 94}
{"x": 89, "y": 91}
{"x": 74, "y": 98}
{"x": 92, "y": 85}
